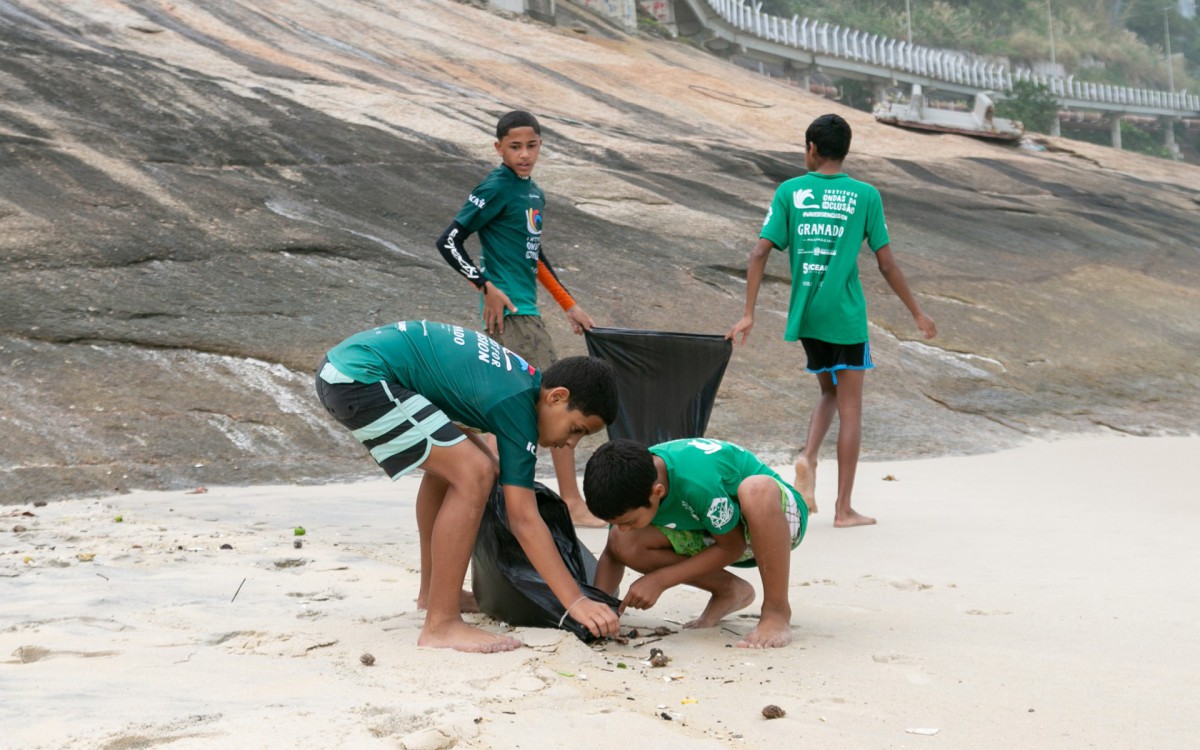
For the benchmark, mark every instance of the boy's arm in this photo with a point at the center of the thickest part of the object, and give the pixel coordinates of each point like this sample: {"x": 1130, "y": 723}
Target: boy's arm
{"x": 754, "y": 276}
{"x": 726, "y": 549}
{"x": 451, "y": 244}
{"x": 580, "y": 321}
{"x": 895, "y": 279}
{"x": 531, "y": 531}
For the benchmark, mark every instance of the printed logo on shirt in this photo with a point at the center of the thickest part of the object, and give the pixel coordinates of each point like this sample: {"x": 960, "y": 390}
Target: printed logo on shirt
{"x": 800, "y": 199}
{"x": 708, "y": 446}
{"x": 476, "y": 201}
{"x": 510, "y": 355}
{"x": 768, "y": 219}
{"x": 720, "y": 512}
{"x": 531, "y": 448}
{"x": 533, "y": 221}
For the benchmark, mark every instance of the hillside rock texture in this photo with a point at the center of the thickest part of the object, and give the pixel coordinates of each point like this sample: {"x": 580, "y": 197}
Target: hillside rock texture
{"x": 198, "y": 199}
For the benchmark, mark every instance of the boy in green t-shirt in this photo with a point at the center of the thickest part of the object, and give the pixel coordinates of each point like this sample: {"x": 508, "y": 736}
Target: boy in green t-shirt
{"x": 506, "y": 211}
{"x": 821, "y": 220}
{"x": 414, "y": 393}
{"x": 683, "y": 510}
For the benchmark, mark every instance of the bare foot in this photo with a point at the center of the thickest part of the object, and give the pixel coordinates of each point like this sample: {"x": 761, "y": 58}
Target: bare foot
{"x": 581, "y": 516}
{"x": 852, "y": 518}
{"x": 806, "y": 483}
{"x": 739, "y": 596}
{"x": 466, "y": 601}
{"x": 774, "y": 630}
{"x": 460, "y": 636}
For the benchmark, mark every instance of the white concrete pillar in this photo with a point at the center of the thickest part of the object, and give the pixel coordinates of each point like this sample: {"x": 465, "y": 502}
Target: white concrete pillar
{"x": 1115, "y": 122}
{"x": 1168, "y": 126}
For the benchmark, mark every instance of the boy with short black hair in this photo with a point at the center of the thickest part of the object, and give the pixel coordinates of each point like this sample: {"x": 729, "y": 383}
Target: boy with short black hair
{"x": 506, "y": 211}
{"x": 408, "y": 390}
{"x": 681, "y": 511}
{"x": 821, "y": 220}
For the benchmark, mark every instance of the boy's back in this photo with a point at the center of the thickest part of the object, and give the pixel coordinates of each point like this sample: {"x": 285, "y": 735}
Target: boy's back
{"x": 466, "y": 374}
{"x": 703, "y": 478}
{"x": 821, "y": 220}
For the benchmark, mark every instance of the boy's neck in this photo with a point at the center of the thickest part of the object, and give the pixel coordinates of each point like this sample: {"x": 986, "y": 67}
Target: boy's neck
{"x": 829, "y": 166}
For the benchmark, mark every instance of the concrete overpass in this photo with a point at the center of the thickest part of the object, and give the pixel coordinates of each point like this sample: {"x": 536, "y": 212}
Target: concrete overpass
{"x": 801, "y": 47}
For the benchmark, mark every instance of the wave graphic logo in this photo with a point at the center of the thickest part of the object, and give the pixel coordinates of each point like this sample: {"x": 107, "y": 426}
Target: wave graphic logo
{"x": 533, "y": 220}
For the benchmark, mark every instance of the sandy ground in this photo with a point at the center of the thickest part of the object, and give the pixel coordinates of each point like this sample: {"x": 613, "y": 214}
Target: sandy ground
{"x": 1043, "y": 597}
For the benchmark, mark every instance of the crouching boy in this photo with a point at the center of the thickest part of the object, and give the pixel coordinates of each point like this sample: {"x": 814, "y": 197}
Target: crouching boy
{"x": 406, "y": 391}
{"x": 682, "y": 511}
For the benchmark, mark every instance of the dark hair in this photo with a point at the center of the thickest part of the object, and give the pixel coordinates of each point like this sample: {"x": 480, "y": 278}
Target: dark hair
{"x": 618, "y": 478}
{"x": 831, "y": 134}
{"x": 517, "y": 119}
{"x": 592, "y": 383}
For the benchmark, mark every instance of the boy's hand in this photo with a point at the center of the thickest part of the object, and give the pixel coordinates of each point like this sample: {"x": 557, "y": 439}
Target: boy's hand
{"x": 579, "y": 319}
{"x": 742, "y": 327}
{"x": 495, "y": 302}
{"x": 926, "y": 325}
{"x": 643, "y": 594}
{"x": 597, "y": 617}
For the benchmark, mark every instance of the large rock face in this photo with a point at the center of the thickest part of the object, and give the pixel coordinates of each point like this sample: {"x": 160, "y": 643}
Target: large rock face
{"x": 198, "y": 199}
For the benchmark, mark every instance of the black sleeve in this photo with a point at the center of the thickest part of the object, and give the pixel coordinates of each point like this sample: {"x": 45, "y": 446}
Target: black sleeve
{"x": 451, "y": 245}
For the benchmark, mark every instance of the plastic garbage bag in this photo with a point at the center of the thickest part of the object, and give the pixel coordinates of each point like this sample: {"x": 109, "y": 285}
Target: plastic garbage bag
{"x": 667, "y": 382}
{"x": 505, "y": 583}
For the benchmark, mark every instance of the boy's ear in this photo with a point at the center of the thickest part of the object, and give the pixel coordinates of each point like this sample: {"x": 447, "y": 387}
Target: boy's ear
{"x": 658, "y": 492}
{"x": 558, "y": 395}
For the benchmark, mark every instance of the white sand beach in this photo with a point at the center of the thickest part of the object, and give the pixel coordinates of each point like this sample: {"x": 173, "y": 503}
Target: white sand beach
{"x": 1042, "y": 597}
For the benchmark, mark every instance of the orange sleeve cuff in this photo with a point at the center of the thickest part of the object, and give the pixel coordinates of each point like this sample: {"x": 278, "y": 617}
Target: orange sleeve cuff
{"x": 560, "y": 295}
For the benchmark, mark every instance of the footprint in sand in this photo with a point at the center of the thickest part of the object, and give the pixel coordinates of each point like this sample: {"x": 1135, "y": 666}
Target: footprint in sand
{"x": 31, "y": 654}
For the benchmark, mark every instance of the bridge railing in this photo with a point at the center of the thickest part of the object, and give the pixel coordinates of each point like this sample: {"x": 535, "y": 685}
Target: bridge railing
{"x": 938, "y": 64}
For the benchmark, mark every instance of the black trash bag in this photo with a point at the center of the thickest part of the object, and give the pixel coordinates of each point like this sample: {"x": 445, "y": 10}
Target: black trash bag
{"x": 505, "y": 583}
{"x": 667, "y": 382}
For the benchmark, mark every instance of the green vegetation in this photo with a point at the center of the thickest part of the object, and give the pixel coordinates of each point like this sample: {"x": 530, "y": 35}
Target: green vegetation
{"x": 1109, "y": 41}
{"x": 1032, "y": 104}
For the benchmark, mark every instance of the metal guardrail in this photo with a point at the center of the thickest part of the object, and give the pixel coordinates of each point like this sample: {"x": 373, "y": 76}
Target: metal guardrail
{"x": 937, "y": 64}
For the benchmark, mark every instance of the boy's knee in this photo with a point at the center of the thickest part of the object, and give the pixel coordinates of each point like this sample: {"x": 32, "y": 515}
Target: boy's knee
{"x": 476, "y": 474}
{"x": 759, "y": 491}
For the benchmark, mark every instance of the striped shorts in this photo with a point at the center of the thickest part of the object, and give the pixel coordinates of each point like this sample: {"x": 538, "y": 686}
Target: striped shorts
{"x": 398, "y": 426}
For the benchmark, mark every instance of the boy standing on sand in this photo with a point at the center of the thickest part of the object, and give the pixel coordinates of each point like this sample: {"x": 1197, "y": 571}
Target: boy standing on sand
{"x": 404, "y": 389}
{"x": 821, "y": 220}
{"x": 506, "y": 211}
{"x": 683, "y": 510}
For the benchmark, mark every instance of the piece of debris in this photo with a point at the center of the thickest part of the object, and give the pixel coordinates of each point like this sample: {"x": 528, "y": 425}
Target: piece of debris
{"x": 662, "y": 630}
{"x": 927, "y": 731}
{"x": 297, "y": 544}
{"x": 18, "y": 529}
{"x": 298, "y": 531}
{"x": 226, "y": 546}
{"x": 773, "y": 712}
{"x": 890, "y": 478}
{"x": 197, "y": 491}
{"x": 367, "y": 659}
{"x": 658, "y": 658}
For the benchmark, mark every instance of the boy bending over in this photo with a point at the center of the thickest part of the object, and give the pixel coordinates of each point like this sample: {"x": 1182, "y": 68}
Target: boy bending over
{"x": 404, "y": 390}
{"x": 682, "y": 511}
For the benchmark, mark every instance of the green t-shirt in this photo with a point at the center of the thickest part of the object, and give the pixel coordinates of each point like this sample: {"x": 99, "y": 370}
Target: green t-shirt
{"x": 471, "y": 378}
{"x": 703, "y": 477}
{"x": 506, "y": 211}
{"x": 821, "y": 221}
